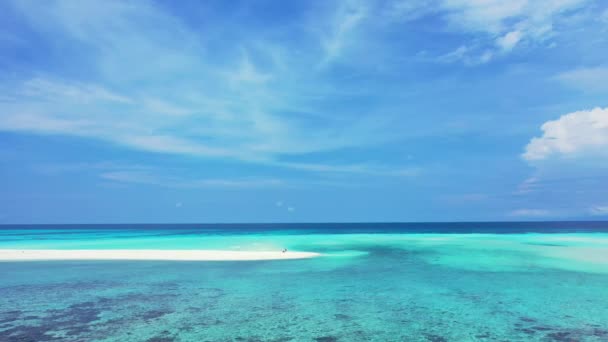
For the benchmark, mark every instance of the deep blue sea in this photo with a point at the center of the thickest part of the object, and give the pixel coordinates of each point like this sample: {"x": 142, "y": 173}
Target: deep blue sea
{"x": 535, "y": 281}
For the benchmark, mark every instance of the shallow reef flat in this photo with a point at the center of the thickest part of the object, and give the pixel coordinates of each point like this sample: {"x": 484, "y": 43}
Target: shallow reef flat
{"x": 362, "y": 287}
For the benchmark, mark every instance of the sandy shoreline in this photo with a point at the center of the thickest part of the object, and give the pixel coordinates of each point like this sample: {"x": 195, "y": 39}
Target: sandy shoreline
{"x": 147, "y": 254}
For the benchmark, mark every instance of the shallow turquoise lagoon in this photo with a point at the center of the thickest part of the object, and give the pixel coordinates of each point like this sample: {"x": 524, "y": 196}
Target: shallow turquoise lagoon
{"x": 365, "y": 287}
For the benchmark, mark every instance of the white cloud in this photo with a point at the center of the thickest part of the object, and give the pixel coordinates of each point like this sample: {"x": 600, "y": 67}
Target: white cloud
{"x": 509, "y": 40}
{"x": 586, "y": 79}
{"x": 577, "y": 134}
{"x": 529, "y": 213}
{"x": 570, "y": 161}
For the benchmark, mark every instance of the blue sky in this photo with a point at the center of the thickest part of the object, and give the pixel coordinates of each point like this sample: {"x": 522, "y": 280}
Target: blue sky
{"x": 303, "y": 111}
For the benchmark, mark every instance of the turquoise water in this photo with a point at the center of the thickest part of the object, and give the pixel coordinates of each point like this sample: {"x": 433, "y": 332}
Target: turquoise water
{"x": 384, "y": 285}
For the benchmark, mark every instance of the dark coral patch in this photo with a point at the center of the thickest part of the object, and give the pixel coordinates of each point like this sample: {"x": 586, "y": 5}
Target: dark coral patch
{"x": 326, "y": 339}
{"x": 600, "y": 332}
{"x": 74, "y": 315}
{"x": 210, "y": 292}
{"x": 27, "y": 333}
{"x": 342, "y": 317}
{"x": 528, "y": 331}
{"x": 152, "y": 314}
{"x": 161, "y": 339}
{"x": 10, "y": 316}
{"x": 541, "y": 328}
{"x": 562, "y": 336}
{"x": 435, "y": 338}
{"x": 527, "y": 319}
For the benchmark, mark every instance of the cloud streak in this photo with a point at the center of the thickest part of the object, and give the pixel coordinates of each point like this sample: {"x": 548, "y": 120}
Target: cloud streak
{"x": 498, "y": 27}
{"x": 530, "y": 213}
{"x": 345, "y": 21}
{"x": 148, "y": 178}
{"x": 587, "y": 79}
{"x": 231, "y": 108}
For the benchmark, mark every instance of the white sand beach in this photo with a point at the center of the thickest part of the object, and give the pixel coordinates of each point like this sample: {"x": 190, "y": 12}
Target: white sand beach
{"x": 148, "y": 254}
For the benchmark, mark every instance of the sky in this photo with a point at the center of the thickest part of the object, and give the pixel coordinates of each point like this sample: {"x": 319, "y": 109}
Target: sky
{"x": 303, "y": 111}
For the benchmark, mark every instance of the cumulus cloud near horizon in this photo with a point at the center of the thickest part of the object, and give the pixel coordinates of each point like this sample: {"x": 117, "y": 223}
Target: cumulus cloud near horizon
{"x": 577, "y": 134}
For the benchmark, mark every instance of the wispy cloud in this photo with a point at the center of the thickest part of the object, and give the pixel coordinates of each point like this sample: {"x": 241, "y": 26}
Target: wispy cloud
{"x": 285, "y": 206}
{"x": 253, "y": 100}
{"x": 532, "y": 19}
{"x": 530, "y": 213}
{"x": 498, "y": 27}
{"x": 599, "y": 210}
{"x": 604, "y": 16}
{"x": 345, "y": 20}
{"x": 231, "y": 108}
{"x": 182, "y": 178}
{"x": 104, "y": 166}
{"x": 154, "y": 175}
{"x": 246, "y": 72}
{"x": 364, "y": 169}
{"x": 464, "y": 54}
{"x": 48, "y": 91}
{"x": 509, "y": 40}
{"x": 587, "y": 79}
{"x": 465, "y": 198}
{"x": 142, "y": 177}
{"x": 527, "y": 186}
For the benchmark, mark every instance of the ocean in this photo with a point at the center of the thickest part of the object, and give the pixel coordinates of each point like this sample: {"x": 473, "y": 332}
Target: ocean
{"x": 527, "y": 281}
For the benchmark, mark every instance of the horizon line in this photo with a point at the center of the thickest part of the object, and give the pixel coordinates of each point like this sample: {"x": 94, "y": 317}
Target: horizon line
{"x": 300, "y": 223}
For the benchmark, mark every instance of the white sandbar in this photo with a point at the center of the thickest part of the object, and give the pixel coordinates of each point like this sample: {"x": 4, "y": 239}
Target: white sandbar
{"x": 147, "y": 254}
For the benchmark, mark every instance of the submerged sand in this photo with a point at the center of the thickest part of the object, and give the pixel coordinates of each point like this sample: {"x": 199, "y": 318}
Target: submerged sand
{"x": 140, "y": 254}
